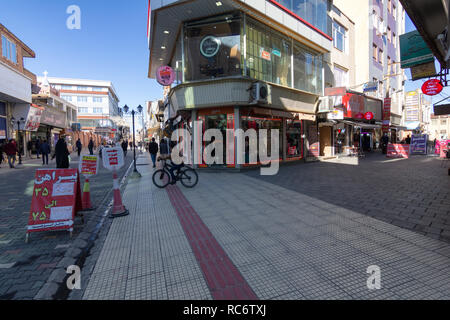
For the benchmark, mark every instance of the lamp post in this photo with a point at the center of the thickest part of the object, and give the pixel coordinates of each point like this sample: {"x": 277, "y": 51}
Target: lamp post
{"x": 126, "y": 110}
{"x": 13, "y": 121}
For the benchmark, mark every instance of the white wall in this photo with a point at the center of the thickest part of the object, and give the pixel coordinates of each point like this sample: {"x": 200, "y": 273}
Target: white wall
{"x": 14, "y": 84}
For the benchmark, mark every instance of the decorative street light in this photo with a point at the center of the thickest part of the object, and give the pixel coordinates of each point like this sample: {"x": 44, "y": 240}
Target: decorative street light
{"x": 19, "y": 142}
{"x": 126, "y": 110}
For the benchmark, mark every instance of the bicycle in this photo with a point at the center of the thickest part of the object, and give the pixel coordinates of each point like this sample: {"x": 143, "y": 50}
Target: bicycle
{"x": 186, "y": 175}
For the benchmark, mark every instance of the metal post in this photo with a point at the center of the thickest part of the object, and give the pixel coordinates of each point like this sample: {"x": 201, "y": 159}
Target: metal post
{"x": 134, "y": 143}
{"x": 20, "y": 142}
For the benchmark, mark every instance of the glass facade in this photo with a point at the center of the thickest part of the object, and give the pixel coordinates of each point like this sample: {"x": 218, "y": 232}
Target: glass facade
{"x": 312, "y": 11}
{"x": 307, "y": 70}
{"x": 213, "y": 48}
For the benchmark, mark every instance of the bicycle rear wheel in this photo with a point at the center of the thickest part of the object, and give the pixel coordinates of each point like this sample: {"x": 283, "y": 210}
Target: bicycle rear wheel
{"x": 188, "y": 178}
{"x": 161, "y": 179}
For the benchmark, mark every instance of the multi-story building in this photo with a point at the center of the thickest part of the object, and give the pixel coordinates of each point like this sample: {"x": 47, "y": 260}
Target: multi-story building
{"x": 244, "y": 64}
{"x": 16, "y": 87}
{"x": 377, "y": 49}
{"x": 440, "y": 127}
{"x": 97, "y": 103}
{"x": 417, "y": 112}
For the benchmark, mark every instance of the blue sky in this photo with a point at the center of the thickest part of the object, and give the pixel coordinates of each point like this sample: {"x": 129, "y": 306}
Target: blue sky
{"x": 111, "y": 45}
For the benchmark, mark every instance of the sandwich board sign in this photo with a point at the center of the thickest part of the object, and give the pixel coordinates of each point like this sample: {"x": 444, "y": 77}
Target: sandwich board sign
{"x": 56, "y": 200}
{"x": 113, "y": 158}
{"x": 88, "y": 165}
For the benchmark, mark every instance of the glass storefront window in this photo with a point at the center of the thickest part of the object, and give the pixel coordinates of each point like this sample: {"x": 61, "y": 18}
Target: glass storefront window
{"x": 213, "y": 48}
{"x": 218, "y": 122}
{"x": 307, "y": 70}
{"x": 268, "y": 54}
{"x": 294, "y": 139}
{"x": 263, "y": 123}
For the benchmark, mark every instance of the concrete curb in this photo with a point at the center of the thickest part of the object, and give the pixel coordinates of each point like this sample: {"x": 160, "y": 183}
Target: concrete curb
{"x": 55, "y": 286}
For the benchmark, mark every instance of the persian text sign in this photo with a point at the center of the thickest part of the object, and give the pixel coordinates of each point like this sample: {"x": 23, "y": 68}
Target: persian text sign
{"x": 89, "y": 165}
{"x": 165, "y": 76}
{"x": 398, "y": 151}
{"x": 113, "y": 158}
{"x": 387, "y": 115}
{"x": 432, "y": 87}
{"x": 34, "y": 118}
{"x": 56, "y": 200}
{"x": 419, "y": 144}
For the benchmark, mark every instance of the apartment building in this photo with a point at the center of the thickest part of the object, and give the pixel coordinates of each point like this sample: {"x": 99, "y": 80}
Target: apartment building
{"x": 244, "y": 64}
{"x": 440, "y": 127}
{"x": 97, "y": 102}
{"x": 16, "y": 87}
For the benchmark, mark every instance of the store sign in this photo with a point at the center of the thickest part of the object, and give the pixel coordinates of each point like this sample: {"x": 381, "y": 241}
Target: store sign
{"x": 165, "y": 75}
{"x": 421, "y": 71}
{"x": 56, "y": 200}
{"x": 398, "y": 151}
{"x": 414, "y": 50}
{"x": 53, "y": 118}
{"x": 89, "y": 165}
{"x": 432, "y": 87}
{"x": 370, "y": 87}
{"x": 419, "y": 144}
{"x": 386, "y": 115}
{"x": 265, "y": 54}
{"x": 336, "y": 115}
{"x": 368, "y": 116}
{"x": 34, "y": 118}
{"x": 276, "y": 52}
{"x": 354, "y": 104}
{"x": 210, "y": 46}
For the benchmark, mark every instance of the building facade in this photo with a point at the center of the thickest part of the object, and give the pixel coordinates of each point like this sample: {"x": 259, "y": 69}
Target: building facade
{"x": 377, "y": 49}
{"x": 243, "y": 65}
{"x": 16, "y": 87}
{"x": 97, "y": 103}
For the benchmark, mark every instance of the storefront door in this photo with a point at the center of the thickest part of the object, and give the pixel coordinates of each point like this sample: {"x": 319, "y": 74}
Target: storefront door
{"x": 325, "y": 142}
{"x": 219, "y": 122}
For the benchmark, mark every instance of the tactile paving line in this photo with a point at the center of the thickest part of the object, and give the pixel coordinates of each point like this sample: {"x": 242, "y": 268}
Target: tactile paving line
{"x": 224, "y": 280}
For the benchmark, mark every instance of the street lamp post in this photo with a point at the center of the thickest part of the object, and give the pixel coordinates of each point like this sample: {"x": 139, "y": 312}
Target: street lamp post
{"x": 126, "y": 110}
{"x": 13, "y": 121}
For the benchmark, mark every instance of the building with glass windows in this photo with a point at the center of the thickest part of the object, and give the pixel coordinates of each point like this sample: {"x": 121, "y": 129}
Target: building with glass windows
{"x": 243, "y": 64}
{"x": 97, "y": 103}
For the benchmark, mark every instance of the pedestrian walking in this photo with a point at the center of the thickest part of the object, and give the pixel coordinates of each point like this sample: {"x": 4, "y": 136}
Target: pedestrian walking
{"x": 29, "y": 148}
{"x": 91, "y": 147}
{"x": 11, "y": 152}
{"x": 79, "y": 147}
{"x": 163, "y": 148}
{"x": 45, "y": 151}
{"x": 153, "y": 150}
{"x": 38, "y": 147}
{"x": 124, "y": 147}
{"x": 61, "y": 154}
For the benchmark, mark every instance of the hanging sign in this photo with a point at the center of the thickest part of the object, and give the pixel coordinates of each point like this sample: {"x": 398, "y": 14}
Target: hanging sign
{"x": 89, "y": 165}
{"x": 34, "y": 118}
{"x": 368, "y": 116}
{"x": 265, "y": 54}
{"x": 56, "y": 200}
{"x": 432, "y": 87}
{"x": 165, "y": 75}
{"x": 113, "y": 158}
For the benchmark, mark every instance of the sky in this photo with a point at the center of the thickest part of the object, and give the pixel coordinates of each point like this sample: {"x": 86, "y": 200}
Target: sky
{"x": 111, "y": 44}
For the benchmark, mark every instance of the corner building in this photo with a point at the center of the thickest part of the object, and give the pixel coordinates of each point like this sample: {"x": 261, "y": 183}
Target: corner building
{"x": 226, "y": 52}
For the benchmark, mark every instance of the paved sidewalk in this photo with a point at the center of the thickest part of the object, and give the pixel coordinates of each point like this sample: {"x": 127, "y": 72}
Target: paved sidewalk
{"x": 283, "y": 244}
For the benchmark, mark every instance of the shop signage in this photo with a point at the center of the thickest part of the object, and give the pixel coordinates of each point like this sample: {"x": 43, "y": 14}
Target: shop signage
{"x": 442, "y": 110}
{"x": 432, "y": 87}
{"x": 368, "y": 116}
{"x": 354, "y": 104}
{"x": 338, "y": 91}
{"x": 336, "y": 115}
{"x": 414, "y": 50}
{"x": 370, "y": 87}
{"x": 419, "y": 144}
{"x": 276, "y": 52}
{"x": 56, "y": 200}
{"x": 113, "y": 158}
{"x": 386, "y": 115}
{"x": 421, "y": 71}
{"x": 53, "y": 118}
{"x": 265, "y": 54}
{"x": 210, "y": 46}
{"x": 441, "y": 147}
{"x": 34, "y": 118}
{"x": 398, "y": 151}
{"x": 89, "y": 165}
{"x": 165, "y": 75}
{"x": 359, "y": 115}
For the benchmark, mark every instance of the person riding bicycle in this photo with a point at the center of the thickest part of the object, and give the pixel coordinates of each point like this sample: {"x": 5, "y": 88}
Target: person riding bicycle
{"x": 176, "y": 167}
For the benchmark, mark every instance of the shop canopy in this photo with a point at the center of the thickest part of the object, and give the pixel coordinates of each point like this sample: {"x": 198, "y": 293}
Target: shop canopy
{"x": 362, "y": 124}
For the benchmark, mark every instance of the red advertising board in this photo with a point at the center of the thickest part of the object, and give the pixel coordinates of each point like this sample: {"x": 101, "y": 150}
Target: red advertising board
{"x": 441, "y": 147}
{"x": 387, "y": 115}
{"x": 398, "y": 151}
{"x": 432, "y": 87}
{"x": 56, "y": 200}
{"x": 354, "y": 105}
{"x": 89, "y": 165}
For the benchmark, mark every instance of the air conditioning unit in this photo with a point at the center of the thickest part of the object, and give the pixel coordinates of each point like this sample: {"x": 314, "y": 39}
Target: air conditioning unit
{"x": 260, "y": 93}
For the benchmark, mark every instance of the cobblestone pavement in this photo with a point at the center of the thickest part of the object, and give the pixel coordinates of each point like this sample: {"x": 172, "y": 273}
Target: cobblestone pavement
{"x": 24, "y": 268}
{"x": 413, "y": 193}
{"x": 235, "y": 231}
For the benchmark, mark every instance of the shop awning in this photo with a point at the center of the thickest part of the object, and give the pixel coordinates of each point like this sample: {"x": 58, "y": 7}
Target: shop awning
{"x": 362, "y": 124}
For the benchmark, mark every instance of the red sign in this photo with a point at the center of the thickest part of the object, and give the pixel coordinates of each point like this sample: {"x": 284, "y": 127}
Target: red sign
{"x": 89, "y": 165}
{"x": 354, "y": 105}
{"x": 368, "y": 116}
{"x": 387, "y": 115}
{"x": 359, "y": 115}
{"x": 432, "y": 87}
{"x": 113, "y": 158}
{"x": 265, "y": 55}
{"x": 56, "y": 200}
{"x": 398, "y": 151}
{"x": 165, "y": 76}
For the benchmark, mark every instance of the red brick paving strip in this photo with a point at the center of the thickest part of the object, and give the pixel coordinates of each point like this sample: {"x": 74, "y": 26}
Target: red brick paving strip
{"x": 224, "y": 280}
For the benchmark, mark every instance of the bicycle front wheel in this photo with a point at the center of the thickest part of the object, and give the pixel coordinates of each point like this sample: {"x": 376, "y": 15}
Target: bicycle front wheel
{"x": 189, "y": 178}
{"x": 161, "y": 179}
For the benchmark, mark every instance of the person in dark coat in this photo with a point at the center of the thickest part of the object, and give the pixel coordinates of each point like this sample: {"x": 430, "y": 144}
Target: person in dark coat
{"x": 45, "y": 151}
{"x": 153, "y": 150}
{"x": 91, "y": 147}
{"x": 62, "y": 154}
{"x": 11, "y": 152}
{"x": 79, "y": 147}
{"x": 125, "y": 147}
